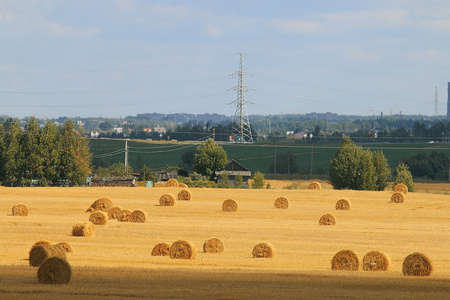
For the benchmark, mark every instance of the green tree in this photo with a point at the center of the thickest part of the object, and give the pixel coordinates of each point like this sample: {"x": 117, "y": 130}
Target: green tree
{"x": 208, "y": 158}
{"x": 114, "y": 170}
{"x": 382, "y": 170}
{"x": 238, "y": 182}
{"x": 403, "y": 175}
{"x": 224, "y": 182}
{"x": 2, "y": 152}
{"x": 31, "y": 151}
{"x": 13, "y": 158}
{"x": 76, "y": 157}
{"x": 352, "y": 168}
{"x": 147, "y": 174}
{"x": 258, "y": 180}
{"x": 50, "y": 153}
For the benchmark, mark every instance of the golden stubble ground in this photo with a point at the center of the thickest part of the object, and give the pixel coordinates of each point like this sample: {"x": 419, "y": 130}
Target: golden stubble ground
{"x": 116, "y": 262}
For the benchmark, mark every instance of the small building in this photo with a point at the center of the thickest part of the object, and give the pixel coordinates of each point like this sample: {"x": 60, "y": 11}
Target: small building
{"x": 232, "y": 169}
{"x": 164, "y": 176}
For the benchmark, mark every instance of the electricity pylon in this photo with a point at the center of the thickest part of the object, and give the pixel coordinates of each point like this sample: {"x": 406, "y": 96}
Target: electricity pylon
{"x": 241, "y": 132}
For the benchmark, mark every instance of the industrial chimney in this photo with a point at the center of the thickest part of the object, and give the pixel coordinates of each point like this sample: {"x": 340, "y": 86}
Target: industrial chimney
{"x": 448, "y": 103}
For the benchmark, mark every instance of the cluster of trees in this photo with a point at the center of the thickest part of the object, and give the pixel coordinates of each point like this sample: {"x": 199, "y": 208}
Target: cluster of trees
{"x": 51, "y": 155}
{"x": 434, "y": 166}
{"x": 357, "y": 169}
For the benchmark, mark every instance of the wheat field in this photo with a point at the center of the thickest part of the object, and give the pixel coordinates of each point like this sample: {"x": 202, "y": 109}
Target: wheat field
{"x": 117, "y": 263}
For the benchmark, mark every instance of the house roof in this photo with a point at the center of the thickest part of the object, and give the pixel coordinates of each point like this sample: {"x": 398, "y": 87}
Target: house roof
{"x": 234, "y": 165}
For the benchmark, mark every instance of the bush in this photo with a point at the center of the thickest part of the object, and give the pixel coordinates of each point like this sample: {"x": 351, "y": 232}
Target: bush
{"x": 258, "y": 180}
{"x": 403, "y": 175}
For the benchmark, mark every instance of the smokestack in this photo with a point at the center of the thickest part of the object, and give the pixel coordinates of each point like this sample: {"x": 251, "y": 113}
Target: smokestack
{"x": 448, "y": 102}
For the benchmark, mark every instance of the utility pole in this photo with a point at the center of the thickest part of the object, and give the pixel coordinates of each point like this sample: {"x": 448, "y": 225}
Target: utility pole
{"x": 312, "y": 157}
{"x": 126, "y": 157}
{"x": 241, "y": 125}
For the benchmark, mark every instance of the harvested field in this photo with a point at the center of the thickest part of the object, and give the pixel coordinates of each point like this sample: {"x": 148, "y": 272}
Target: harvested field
{"x": 300, "y": 269}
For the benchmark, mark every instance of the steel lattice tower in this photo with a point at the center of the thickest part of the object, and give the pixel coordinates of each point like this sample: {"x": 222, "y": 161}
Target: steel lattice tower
{"x": 241, "y": 126}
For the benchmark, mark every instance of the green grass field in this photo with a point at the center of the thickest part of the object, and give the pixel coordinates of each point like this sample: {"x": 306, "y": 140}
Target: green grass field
{"x": 256, "y": 157}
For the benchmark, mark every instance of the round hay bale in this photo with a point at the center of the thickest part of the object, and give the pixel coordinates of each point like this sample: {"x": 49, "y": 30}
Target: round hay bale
{"x": 417, "y": 264}
{"x": 83, "y": 229}
{"x": 167, "y": 200}
{"x": 343, "y": 204}
{"x": 161, "y": 249}
{"x": 376, "y": 261}
{"x": 398, "y": 197}
{"x": 314, "y": 186}
{"x": 185, "y": 195}
{"x": 401, "y": 187}
{"x": 183, "y": 185}
{"x": 54, "y": 270}
{"x": 42, "y": 242}
{"x": 281, "y": 202}
{"x": 20, "y": 210}
{"x": 346, "y": 260}
{"x": 138, "y": 216}
{"x": 172, "y": 182}
{"x": 114, "y": 212}
{"x": 230, "y": 205}
{"x": 213, "y": 245}
{"x": 41, "y": 252}
{"x": 327, "y": 219}
{"x": 103, "y": 204}
{"x": 182, "y": 250}
{"x": 263, "y": 250}
{"x": 99, "y": 218}
{"x": 65, "y": 246}
{"x": 124, "y": 215}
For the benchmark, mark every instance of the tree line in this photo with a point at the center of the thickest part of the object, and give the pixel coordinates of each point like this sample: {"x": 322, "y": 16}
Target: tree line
{"x": 48, "y": 156}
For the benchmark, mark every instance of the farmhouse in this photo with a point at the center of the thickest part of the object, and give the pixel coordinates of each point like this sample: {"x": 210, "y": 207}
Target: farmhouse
{"x": 233, "y": 169}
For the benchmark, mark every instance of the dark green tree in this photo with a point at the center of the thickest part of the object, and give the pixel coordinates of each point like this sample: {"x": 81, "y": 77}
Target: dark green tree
{"x": 30, "y": 147}
{"x": 13, "y": 157}
{"x": 50, "y": 153}
{"x": 382, "y": 170}
{"x": 208, "y": 158}
{"x": 2, "y": 152}
{"x": 75, "y": 156}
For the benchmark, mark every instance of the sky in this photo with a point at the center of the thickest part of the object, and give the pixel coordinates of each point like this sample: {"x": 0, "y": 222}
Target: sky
{"x": 118, "y": 58}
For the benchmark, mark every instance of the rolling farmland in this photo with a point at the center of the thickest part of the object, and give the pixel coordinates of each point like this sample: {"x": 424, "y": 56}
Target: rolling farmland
{"x": 158, "y": 155}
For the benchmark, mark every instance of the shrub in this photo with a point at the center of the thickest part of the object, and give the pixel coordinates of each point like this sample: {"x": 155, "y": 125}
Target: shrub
{"x": 403, "y": 175}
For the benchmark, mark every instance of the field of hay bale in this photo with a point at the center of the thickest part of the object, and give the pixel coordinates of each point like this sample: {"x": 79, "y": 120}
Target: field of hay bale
{"x": 117, "y": 262}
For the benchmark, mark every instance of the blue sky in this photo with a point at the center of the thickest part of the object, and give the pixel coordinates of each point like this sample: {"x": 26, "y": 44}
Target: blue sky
{"x": 124, "y": 57}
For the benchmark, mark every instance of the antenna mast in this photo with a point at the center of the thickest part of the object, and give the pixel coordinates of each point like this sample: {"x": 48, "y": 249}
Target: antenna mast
{"x": 435, "y": 103}
{"x": 241, "y": 132}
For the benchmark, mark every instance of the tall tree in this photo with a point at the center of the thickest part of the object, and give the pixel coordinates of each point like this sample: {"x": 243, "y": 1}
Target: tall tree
{"x": 75, "y": 156}
{"x": 208, "y": 158}
{"x": 50, "y": 153}
{"x": 13, "y": 157}
{"x": 382, "y": 170}
{"x": 31, "y": 150}
{"x": 2, "y": 152}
